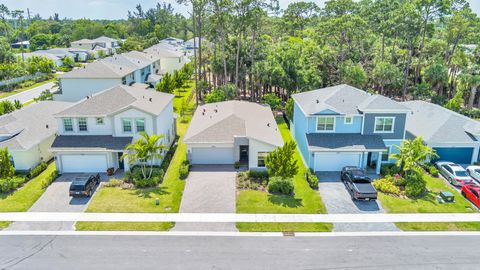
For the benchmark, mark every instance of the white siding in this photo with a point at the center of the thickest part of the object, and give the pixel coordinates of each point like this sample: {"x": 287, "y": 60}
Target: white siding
{"x": 29, "y": 159}
{"x": 132, "y": 114}
{"x": 92, "y": 126}
{"x": 77, "y": 89}
{"x": 165, "y": 123}
{"x": 255, "y": 147}
{"x": 171, "y": 64}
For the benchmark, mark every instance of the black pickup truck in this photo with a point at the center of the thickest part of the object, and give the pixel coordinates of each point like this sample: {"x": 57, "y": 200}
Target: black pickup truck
{"x": 358, "y": 183}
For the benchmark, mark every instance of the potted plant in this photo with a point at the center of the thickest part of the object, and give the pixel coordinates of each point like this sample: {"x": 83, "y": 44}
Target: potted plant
{"x": 110, "y": 171}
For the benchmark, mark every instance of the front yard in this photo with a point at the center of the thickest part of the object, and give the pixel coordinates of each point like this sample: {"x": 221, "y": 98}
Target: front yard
{"x": 305, "y": 201}
{"x": 429, "y": 204}
{"x": 169, "y": 192}
{"x": 24, "y": 197}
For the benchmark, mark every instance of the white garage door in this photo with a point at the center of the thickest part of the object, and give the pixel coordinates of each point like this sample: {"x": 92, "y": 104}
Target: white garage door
{"x": 332, "y": 162}
{"x": 212, "y": 155}
{"x": 84, "y": 163}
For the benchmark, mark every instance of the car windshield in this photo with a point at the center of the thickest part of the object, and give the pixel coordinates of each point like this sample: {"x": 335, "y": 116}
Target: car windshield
{"x": 77, "y": 186}
{"x": 358, "y": 173}
{"x": 461, "y": 173}
{"x": 477, "y": 170}
{"x": 361, "y": 180}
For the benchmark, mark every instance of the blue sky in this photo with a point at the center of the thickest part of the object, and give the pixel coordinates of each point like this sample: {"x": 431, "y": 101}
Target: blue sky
{"x": 112, "y": 9}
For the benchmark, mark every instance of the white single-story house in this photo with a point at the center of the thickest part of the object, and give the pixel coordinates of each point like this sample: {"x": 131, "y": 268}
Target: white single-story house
{"x": 455, "y": 137}
{"x": 231, "y": 131}
{"x": 29, "y": 132}
{"x": 94, "y": 132}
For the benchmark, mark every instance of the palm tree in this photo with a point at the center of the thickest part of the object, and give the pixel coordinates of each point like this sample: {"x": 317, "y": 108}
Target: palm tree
{"x": 412, "y": 154}
{"x": 145, "y": 150}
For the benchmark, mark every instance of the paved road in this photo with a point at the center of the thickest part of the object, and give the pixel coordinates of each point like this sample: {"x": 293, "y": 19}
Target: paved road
{"x": 28, "y": 95}
{"x": 338, "y": 201}
{"x": 203, "y": 252}
{"x": 209, "y": 189}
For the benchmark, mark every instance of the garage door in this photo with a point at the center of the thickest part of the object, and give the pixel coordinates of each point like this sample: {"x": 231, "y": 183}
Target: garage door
{"x": 459, "y": 155}
{"x": 332, "y": 162}
{"x": 212, "y": 155}
{"x": 84, "y": 163}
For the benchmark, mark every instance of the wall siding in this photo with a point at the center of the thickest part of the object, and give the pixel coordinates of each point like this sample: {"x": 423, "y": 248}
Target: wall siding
{"x": 398, "y": 130}
{"x": 300, "y": 125}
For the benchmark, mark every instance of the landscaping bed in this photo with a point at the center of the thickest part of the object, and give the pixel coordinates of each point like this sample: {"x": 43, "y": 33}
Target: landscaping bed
{"x": 305, "y": 200}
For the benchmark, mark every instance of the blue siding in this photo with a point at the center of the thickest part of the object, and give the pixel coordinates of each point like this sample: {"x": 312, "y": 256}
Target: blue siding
{"x": 398, "y": 129}
{"x": 340, "y": 127}
{"x": 459, "y": 155}
{"x": 393, "y": 149}
{"x": 300, "y": 126}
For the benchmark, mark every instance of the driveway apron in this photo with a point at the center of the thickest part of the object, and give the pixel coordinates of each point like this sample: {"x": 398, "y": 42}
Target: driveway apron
{"x": 338, "y": 201}
{"x": 208, "y": 189}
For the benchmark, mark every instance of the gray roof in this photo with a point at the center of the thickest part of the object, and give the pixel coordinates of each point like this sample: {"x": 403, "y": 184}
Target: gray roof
{"x": 92, "y": 142}
{"x": 104, "y": 39}
{"x": 118, "y": 98}
{"x": 344, "y": 99}
{"x": 221, "y": 122}
{"x": 85, "y": 40}
{"x": 31, "y": 124}
{"x": 436, "y": 124}
{"x": 100, "y": 69}
{"x": 163, "y": 51}
{"x": 344, "y": 142}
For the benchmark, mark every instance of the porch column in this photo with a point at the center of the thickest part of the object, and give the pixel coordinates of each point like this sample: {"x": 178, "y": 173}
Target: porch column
{"x": 364, "y": 160}
{"x": 126, "y": 165}
{"x": 379, "y": 163}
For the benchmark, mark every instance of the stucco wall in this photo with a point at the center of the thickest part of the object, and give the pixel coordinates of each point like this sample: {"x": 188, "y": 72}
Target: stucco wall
{"x": 132, "y": 114}
{"x": 77, "y": 89}
{"x": 255, "y": 147}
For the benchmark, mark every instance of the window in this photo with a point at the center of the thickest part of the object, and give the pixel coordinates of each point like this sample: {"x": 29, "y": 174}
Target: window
{"x": 67, "y": 124}
{"x": 326, "y": 124}
{"x": 127, "y": 125}
{"x": 261, "y": 159}
{"x": 100, "y": 121}
{"x": 384, "y": 124}
{"x": 140, "y": 124}
{"x": 124, "y": 80}
{"x": 82, "y": 124}
{"x": 386, "y": 155}
{"x": 348, "y": 120}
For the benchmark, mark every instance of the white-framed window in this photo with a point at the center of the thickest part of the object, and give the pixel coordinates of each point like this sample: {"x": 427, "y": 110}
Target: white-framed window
{"x": 384, "y": 124}
{"x": 140, "y": 124}
{"x": 127, "y": 125}
{"x": 348, "y": 120}
{"x": 386, "y": 155}
{"x": 261, "y": 158}
{"x": 100, "y": 121}
{"x": 82, "y": 124}
{"x": 326, "y": 123}
{"x": 67, "y": 124}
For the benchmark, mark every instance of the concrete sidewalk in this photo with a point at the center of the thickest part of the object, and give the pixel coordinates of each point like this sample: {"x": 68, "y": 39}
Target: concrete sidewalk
{"x": 217, "y": 217}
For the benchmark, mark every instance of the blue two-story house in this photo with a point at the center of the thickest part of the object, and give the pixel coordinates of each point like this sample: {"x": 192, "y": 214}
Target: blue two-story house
{"x": 344, "y": 126}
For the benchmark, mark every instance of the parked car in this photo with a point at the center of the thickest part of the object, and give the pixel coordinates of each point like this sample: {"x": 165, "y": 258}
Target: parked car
{"x": 358, "y": 183}
{"x": 472, "y": 193}
{"x": 84, "y": 186}
{"x": 474, "y": 172}
{"x": 454, "y": 173}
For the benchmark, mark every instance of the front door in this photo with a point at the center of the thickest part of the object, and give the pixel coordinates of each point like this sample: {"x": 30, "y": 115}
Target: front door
{"x": 121, "y": 163}
{"x": 244, "y": 153}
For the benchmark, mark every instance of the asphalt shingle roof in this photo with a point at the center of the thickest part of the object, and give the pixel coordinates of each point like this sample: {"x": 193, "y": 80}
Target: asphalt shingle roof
{"x": 222, "y": 121}
{"x": 344, "y": 99}
{"x": 436, "y": 124}
{"x": 118, "y": 98}
{"x": 162, "y": 50}
{"x": 344, "y": 142}
{"x": 92, "y": 142}
{"x": 31, "y": 124}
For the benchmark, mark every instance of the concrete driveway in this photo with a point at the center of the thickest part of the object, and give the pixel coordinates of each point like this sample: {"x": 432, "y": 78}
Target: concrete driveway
{"x": 57, "y": 199}
{"x": 338, "y": 201}
{"x": 209, "y": 189}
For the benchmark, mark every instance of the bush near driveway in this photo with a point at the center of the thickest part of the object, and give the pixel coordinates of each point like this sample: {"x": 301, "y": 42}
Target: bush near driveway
{"x": 280, "y": 185}
{"x": 304, "y": 201}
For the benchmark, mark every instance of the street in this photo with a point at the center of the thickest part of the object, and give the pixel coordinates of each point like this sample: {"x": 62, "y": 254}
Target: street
{"x": 28, "y": 95}
{"x": 219, "y": 252}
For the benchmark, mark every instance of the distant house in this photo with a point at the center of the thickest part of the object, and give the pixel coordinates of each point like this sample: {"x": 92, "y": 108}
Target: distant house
{"x": 231, "y": 131}
{"x": 17, "y": 45}
{"x": 93, "y": 133}
{"x": 57, "y": 61}
{"x": 454, "y": 137}
{"x": 344, "y": 126}
{"x": 29, "y": 132}
{"x": 174, "y": 42}
{"x": 106, "y": 44}
{"x": 170, "y": 60}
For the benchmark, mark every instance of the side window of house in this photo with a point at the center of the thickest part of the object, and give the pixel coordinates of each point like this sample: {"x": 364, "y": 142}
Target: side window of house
{"x": 140, "y": 124}
{"x": 127, "y": 125}
{"x": 384, "y": 124}
{"x": 67, "y": 124}
{"x": 261, "y": 159}
{"x": 326, "y": 123}
{"x": 82, "y": 124}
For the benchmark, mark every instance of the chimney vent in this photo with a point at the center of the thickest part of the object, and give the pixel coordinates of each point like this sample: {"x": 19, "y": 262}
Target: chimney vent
{"x": 46, "y": 126}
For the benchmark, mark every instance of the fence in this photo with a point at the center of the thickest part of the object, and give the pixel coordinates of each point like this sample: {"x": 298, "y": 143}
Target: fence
{"x": 10, "y": 84}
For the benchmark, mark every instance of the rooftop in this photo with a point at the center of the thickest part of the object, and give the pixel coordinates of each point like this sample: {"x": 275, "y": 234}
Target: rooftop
{"x": 91, "y": 142}
{"x": 344, "y": 142}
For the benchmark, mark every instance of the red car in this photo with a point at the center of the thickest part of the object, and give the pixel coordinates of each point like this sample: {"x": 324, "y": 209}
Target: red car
{"x": 472, "y": 193}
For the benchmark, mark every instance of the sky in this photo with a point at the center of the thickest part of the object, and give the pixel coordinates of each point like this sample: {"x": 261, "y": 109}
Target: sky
{"x": 114, "y": 9}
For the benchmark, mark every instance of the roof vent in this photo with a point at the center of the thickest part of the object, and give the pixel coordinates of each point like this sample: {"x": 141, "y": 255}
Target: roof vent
{"x": 268, "y": 124}
{"x": 120, "y": 68}
{"x": 318, "y": 101}
{"x": 46, "y": 126}
{"x": 150, "y": 99}
{"x": 203, "y": 113}
{"x": 88, "y": 97}
{"x": 216, "y": 111}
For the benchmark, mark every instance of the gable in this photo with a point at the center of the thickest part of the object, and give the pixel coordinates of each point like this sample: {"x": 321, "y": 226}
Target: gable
{"x": 327, "y": 112}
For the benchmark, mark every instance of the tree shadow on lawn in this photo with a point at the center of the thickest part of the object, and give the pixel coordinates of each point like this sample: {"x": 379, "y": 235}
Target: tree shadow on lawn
{"x": 285, "y": 201}
{"x": 148, "y": 193}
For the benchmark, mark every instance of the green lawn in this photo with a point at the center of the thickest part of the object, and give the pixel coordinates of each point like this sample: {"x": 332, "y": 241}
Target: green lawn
{"x": 305, "y": 200}
{"x": 117, "y": 200}
{"x": 429, "y": 204}
{"x": 23, "y": 198}
{"x": 16, "y": 91}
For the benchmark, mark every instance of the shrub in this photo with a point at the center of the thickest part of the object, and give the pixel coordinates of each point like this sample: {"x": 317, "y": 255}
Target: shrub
{"x": 280, "y": 185}
{"x": 389, "y": 169}
{"x": 136, "y": 177}
{"x": 258, "y": 174}
{"x": 237, "y": 165}
{"x": 415, "y": 186}
{"x": 184, "y": 169}
{"x": 114, "y": 183}
{"x": 432, "y": 170}
{"x": 11, "y": 183}
{"x": 49, "y": 179}
{"x": 38, "y": 170}
{"x": 244, "y": 181}
{"x": 312, "y": 179}
{"x": 281, "y": 162}
{"x": 386, "y": 185}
